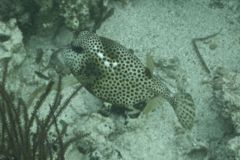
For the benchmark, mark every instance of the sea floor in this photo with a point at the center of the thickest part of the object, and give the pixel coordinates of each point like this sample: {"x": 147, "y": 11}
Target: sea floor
{"x": 165, "y": 30}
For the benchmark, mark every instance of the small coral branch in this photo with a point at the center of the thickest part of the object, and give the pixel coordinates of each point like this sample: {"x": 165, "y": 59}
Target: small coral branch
{"x": 194, "y": 43}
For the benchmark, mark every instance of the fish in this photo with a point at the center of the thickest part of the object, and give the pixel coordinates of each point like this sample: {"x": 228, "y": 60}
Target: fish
{"x": 113, "y": 73}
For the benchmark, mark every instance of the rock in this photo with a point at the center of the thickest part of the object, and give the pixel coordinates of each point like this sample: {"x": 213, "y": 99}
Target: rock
{"x": 11, "y": 45}
{"x": 234, "y": 145}
{"x": 97, "y": 145}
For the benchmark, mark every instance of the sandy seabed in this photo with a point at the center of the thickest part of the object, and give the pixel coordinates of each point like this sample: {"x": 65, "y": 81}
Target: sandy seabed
{"x": 164, "y": 29}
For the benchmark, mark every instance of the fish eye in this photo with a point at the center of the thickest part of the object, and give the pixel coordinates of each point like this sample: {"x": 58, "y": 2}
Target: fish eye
{"x": 77, "y": 49}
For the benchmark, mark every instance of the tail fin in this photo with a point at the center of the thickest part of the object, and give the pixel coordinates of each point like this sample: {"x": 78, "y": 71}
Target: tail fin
{"x": 185, "y": 109}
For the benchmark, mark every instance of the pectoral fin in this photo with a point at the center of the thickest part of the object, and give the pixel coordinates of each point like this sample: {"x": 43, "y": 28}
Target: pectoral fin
{"x": 152, "y": 104}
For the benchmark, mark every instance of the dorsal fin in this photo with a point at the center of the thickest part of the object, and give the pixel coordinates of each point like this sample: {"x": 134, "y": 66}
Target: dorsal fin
{"x": 150, "y": 62}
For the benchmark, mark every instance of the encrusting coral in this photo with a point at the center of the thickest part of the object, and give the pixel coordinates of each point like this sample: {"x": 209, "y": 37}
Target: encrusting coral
{"x": 84, "y": 14}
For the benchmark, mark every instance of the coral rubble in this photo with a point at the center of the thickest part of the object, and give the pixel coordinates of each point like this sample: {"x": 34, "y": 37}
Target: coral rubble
{"x": 226, "y": 95}
{"x": 226, "y": 100}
